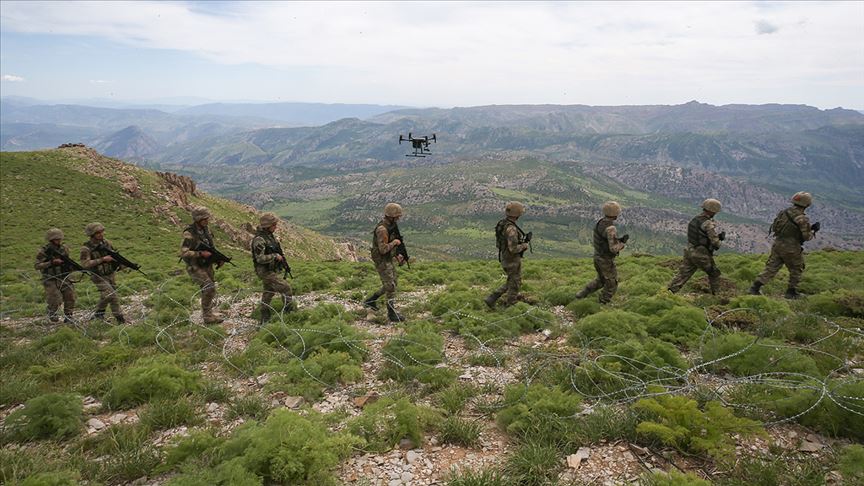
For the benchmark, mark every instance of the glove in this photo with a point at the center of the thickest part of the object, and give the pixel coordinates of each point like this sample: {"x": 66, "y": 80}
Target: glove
{"x": 721, "y": 236}
{"x": 624, "y": 239}
{"x": 529, "y": 236}
{"x": 815, "y": 226}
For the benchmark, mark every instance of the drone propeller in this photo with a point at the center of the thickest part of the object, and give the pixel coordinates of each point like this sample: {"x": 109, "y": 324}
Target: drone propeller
{"x": 434, "y": 138}
{"x": 401, "y": 139}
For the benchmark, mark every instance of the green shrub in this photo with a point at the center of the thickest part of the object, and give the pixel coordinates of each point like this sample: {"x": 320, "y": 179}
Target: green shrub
{"x": 656, "y": 304}
{"x": 851, "y": 463}
{"x": 250, "y": 407}
{"x": 844, "y": 302}
{"x": 584, "y": 307}
{"x": 758, "y": 356}
{"x": 387, "y": 421}
{"x": 49, "y": 416}
{"x": 536, "y": 410}
{"x": 259, "y": 453}
{"x": 677, "y": 421}
{"x": 679, "y": 325}
{"x": 650, "y": 359}
{"x": 150, "y": 379}
{"x": 309, "y": 377}
{"x": 200, "y": 446}
{"x": 167, "y": 414}
{"x": 326, "y": 326}
{"x": 596, "y": 330}
{"x": 765, "y": 307}
{"x": 485, "y": 477}
{"x": 674, "y": 478}
{"x": 414, "y": 356}
{"x": 837, "y": 415}
{"x": 775, "y": 468}
{"x": 454, "y": 397}
{"x": 64, "y": 341}
{"x": 533, "y": 464}
{"x": 560, "y": 295}
{"x": 454, "y": 430}
{"x": 58, "y": 478}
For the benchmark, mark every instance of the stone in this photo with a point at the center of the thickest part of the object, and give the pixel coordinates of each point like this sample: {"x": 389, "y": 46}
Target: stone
{"x": 407, "y": 477}
{"x": 807, "y": 446}
{"x": 364, "y": 400}
{"x": 95, "y": 424}
{"x": 406, "y": 444}
{"x": 293, "y": 402}
{"x": 574, "y": 461}
{"x": 212, "y": 407}
{"x": 411, "y": 457}
{"x": 395, "y": 482}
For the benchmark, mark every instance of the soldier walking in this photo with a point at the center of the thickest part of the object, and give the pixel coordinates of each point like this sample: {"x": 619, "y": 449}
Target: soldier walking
{"x": 198, "y": 263}
{"x": 512, "y": 243}
{"x": 59, "y": 288}
{"x": 702, "y": 241}
{"x": 791, "y": 228}
{"x": 607, "y": 245}
{"x": 103, "y": 268}
{"x": 268, "y": 257}
{"x": 384, "y": 240}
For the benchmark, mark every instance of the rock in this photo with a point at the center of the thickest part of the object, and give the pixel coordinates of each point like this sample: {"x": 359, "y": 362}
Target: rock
{"x": 466, "y": 377}
{"x": 406, "y": 444}
{"x": 364, "y": 400}
{"x": 807, "y": 446}
{"x": 293, "y": 402}
{"x": 95, "y": 424}
{"x": 407, "y": 477}
{"x": 117, "y": 417}
{"x": 212, "y": 407}
{"x": 411, "y": 457}
{"x": 574, "y": 461}
{"x": 395, "y": 482}
{"x": 263, "y": 379}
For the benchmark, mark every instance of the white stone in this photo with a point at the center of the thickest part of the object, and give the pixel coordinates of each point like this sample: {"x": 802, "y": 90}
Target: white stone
{"x": 212, "y": 407}
{"x": 407, "y": 477}
{"x": 411, "y": 456}
{"x": 95, "y": 424}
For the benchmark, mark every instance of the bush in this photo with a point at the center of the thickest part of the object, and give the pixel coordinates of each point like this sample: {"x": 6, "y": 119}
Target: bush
{"x": 606, "y": 325}
{"x": 843, "y": 302}
{"x": 679, "y": 325}
{"x": 167, "y": 414}
{"x": 837, "y": 415}
{"x": 851, "y": 463}
{"x": 760, "y": 356}
{"x": 486, "y": 477}
{"x": 49, "y": 416}
{"x": 454, "y": 430}
{"x": 386, "y": 422}
{"x": 584, "y": 307}
{"x": 200, "y": 446}
{"x": 677, "y": 421}
{"x": 536, "y": 410}
{"x": 58, "y": 478}
{"x": 414, "y": 356}
{"x": 674, "y": 478}
{"x": 150, "y": 379}
{"x": 533, "y": 464}
{"x": 651, "y": 359}
{"x": 250, "y": 407}
{"x": 308, "y": 377}
{"x": 765, "y": 307}
{"x": 327, "y": 326}
{"x": 453, "y": 398}
{"x": 259, "y": 453}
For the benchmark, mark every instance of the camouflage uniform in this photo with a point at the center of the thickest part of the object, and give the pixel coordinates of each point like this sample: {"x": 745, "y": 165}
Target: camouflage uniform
{"x": 702, "y": 241}
{"x": 103, "y": 277}
{"x": 265, "y": 249}
{"x": 382, "y": 255}
{"x": 200, "y": 270}
{"x": 791, "y": 228}
{"x": 510, "y": 256}
{"x": 606, "y": 248}
{"x": 59, "y": 288}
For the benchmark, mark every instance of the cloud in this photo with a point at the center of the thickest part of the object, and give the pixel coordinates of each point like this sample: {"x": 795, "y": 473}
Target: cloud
{"x": 100, "y": 81}
{"x": 765, "y": 27}
{"x": 12, "y": 78}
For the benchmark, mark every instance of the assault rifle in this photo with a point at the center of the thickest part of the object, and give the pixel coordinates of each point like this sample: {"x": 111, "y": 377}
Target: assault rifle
{"x": 216, "y": 256}
{"x": 69, "y": 265}
{"x": 280, "y": 265}
{"x": 119, "y": 259}
{"x": 528, "y": 237}
{"x": 815, "y": 227}
{"x": 401, "y": 249}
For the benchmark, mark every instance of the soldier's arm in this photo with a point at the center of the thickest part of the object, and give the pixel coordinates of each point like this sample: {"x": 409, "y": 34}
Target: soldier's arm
{"x": 803, "y": 223}
{"x": 259, "y": 247}
{"x": 615, "y": 245}
{"x": 186, "y": 250}
{"x": 513, "y": 245}
{"x": 42, "y": 261}
{"x": 383, "y": 240}
{"x": 710, "y": 229}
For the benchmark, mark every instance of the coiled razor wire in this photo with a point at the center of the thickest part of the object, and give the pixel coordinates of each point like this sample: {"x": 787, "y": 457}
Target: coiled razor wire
{"x": 590, "y": 361}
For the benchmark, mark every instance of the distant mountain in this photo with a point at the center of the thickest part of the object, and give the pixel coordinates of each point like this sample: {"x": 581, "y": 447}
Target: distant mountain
{"x": 131, "y": 143}
{"x": 297, "y": 114}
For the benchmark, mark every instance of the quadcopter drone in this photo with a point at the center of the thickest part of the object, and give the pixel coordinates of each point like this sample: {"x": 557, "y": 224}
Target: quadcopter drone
{"x": 420, "y": 145}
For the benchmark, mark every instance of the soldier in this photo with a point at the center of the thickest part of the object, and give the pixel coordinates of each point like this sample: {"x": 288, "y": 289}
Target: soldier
{"x": 702, "y": 241}
{"x": 512, "y": 243}
{"x": 267, "y": 256}
{"x": 791, "y": 228}
{"x": 384, "y": 241}
{"x": 607, "y": 245}
{"x": 103, "y": 268}
{"x": 198, "y": 264}
{"x": 58, "y": 287}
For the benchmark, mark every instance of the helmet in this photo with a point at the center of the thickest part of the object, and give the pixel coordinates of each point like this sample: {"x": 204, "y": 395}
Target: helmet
{"x": 267, "y": 220}
{"x": 93, "y": 228}
{"x": 514, "y": 209}
{"x": 199, "y": 213}
{"x": 392, "y": 210}
{"x": 803, "y": 199}
{"x": 712, "y": 205}
{"x": 611, "y": 209}
{"x": 54, "y": 234}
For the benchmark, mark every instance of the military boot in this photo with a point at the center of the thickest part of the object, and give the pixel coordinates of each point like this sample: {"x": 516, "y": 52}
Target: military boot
{"x": 392, "y": 315}
{"x": 493, "y": 297}
{"x": 120, "y": 319}
{"x": 67, "y": 319}
{"x": 99, "y": 315}
{"x": 264, "y": 317}
{"x": 372, "y": 301}
{"x": 792, "y": 293}
{"x": 755, "y": 288}
{"x": 211, "y": 318}
{"x": 582, "y": 294}
{"x": 289, "y": 305}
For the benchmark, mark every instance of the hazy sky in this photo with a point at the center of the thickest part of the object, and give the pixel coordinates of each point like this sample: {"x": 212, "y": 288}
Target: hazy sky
{"x": 438, "y": 54}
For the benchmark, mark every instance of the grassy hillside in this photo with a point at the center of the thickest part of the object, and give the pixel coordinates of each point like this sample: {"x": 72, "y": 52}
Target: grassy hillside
{"x": 726, "y": 388}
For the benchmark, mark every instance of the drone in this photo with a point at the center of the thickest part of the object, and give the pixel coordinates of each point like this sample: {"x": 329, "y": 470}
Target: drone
{"x": 420, "y": 145}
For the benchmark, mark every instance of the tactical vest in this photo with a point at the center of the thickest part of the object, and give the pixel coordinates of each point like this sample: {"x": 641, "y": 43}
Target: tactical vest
{"x": 271, "y": 246}
{"x": 696, "y": 236}
{"x": 96, "y": 252}
{"x": 601, "y": 240}
{"x": 392, "y": 231}
{"x": 54, "y": 271}
{"x": 501, "y": 236}
{"x": 784, "y": 227}
{"x": 199, "y": 237}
